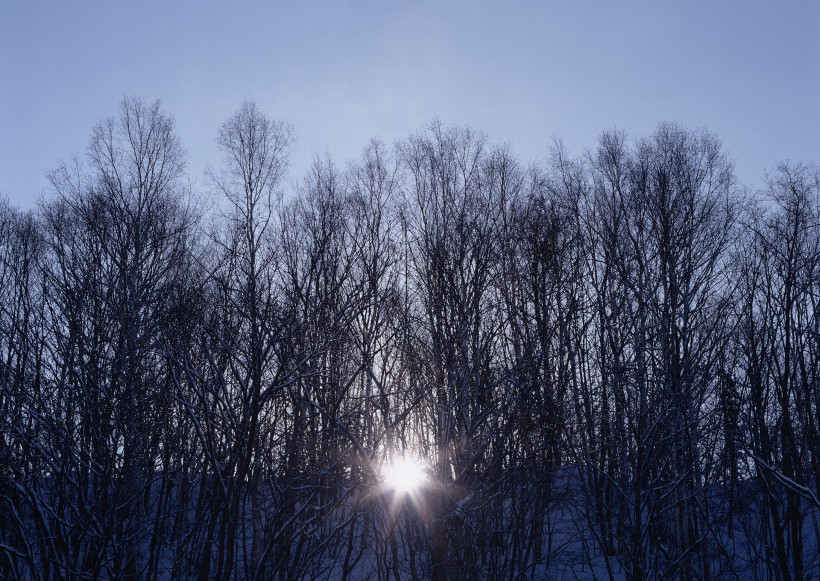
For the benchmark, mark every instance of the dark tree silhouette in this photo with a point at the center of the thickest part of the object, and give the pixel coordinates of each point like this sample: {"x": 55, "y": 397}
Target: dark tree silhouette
{"x": 606, "y": 366}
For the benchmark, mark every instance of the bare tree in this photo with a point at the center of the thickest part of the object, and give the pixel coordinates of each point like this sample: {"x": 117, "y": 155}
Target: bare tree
{"x": 99, "y": 272}
{"x": 657, "y": 222}
{"x": 453, "y": 229}
{"x": 778, "y": 344}
{"x": 23, "y": 397}
{"x": 608, "y": 367}
{"x": 229, "y": 396}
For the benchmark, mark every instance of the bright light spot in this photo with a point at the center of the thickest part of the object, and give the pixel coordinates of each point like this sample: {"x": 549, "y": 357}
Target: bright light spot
{"x": 404, "y": 475}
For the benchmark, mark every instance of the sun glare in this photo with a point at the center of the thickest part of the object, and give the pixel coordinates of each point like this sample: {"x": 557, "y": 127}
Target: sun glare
{"x": 404, "y": 475}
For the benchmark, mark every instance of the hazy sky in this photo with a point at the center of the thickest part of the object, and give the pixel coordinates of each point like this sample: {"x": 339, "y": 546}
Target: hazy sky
{"x": 344, "y": 71}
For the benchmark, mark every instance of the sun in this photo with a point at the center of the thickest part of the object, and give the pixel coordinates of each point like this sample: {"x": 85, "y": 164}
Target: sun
{"x": 404, "y": 475}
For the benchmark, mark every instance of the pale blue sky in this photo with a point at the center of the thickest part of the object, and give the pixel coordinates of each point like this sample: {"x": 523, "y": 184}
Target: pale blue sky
{"x": 344, "y": 71}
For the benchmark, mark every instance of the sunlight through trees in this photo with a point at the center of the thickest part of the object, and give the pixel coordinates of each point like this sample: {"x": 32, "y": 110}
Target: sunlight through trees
{"x": 432, "y": 362}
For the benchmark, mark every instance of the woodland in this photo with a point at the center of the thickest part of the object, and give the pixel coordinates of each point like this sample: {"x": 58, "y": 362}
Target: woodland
{"x": 597, "y": 366}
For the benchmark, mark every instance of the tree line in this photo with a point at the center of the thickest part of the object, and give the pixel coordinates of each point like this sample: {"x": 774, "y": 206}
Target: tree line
{"x": 608, "y": 363}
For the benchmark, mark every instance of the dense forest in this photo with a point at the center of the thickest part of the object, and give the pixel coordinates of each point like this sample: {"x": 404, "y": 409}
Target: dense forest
{"x": 608, "y": 365}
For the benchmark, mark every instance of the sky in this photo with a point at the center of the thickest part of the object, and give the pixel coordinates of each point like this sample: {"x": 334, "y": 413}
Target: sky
{"x": 342, "y": 72}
